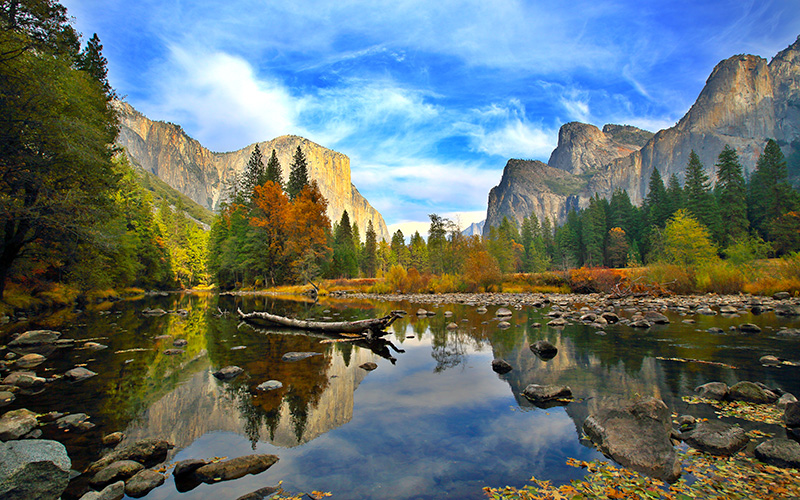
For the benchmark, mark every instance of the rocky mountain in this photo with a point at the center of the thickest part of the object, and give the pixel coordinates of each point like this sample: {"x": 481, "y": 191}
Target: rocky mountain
{"x": 745, "y": 102}
{"x": 476, "y": 228}
{"x": 182, "y": 162}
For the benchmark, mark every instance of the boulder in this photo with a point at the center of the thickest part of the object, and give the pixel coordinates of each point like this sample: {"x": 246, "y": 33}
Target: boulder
{"x": 787, "y": 310}
{"x": 503, "y": 312}
{"x": 117, "y": 471}
{"x": 712, "y": 390}
{"x": 369, "y": 366}
{"x": 75, "y": 422}
{"x": 114, "y": 491}
{"x": 717, "y": 438}
{"x": 16, "y": 423}
{"x": 501, "y": 366}
{"x": 25, "y": 380}
{"x": 751, "y": 393}
{"x": 503, "y": 325}
{"x": 33, "y": 469}
{"x": 185, "y": 467}
{"x": 780, "y": 452}
{"x": 452, "y": 326}
{"x": 228, "y": 373}
{"x": 78, "y": 374}
{"x": 791, "y": 415}
{"x": 656, "y": 318}
{"x": 234, "y": 468}
{"x": 30, "y": 360}
{"x": 180, "y": 342}
{"x": 640, "y": 323}
{"x": 260, "y": 494}
{"x": 544, "y": 349}
{"x": 789, "y": 332}
{"x": 34, "y": 338}
{"x": 269, "y": 385}
{"x": 769, "y": 360}
{"x": 610, "y": 317}
{"x": 706, "y": 311}
{"x": 142, "y": 483}
{"x": 148, "y": 452}
{"x": 113, "y": 439}
{"x": 6, "y": 398}
{"x": 557, "y": 322}
{"x": 636, "y": 434}
{"x": 540, "y": 394}
{"x": 785, "y": 399}
{"x": 422, "y": 312}
{"x": 715, "y": 330}
{"x": 781, "y": 295}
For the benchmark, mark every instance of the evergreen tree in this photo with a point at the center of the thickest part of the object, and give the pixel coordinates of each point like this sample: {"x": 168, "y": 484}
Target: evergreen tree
{"x": 437, "y": 240}
{"x": 418, "y": 251}
{"x": 731, "y": 197}
{"x": 298, "y": 175}
{"x": 621, "y": 212}
{"x": 568, "y": 242}
{"x": 274, "y": 172}
{"x": 700, "y": 202}
{"x": 675, "y": 197}
{"x": 593, "y": 232}
{"x": 370, "y": 260}
{"x": 253, "y": 174}
{"x": 656, "y": 204}
{"x": 769, "y": 193}
{"x": 399, "y": 250}
{"x": 92, "y": 61}
{"x": 345, "y": 263}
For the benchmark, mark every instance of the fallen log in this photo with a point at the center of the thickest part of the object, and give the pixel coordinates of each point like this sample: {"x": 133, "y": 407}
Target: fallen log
{"x": 371, "y": 327}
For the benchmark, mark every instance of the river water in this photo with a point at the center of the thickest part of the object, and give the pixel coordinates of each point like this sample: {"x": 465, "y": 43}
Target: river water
{"x": 433, "y": 421}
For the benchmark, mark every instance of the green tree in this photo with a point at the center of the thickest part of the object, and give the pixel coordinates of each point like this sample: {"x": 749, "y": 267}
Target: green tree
{"x": 675, "y": 197}
{"x": 370, "y": 261}
{"x": 274, "y": 172}
{"x": 700, "y": 201}
{"x": 686, "y": 241}
{"x": 593, "y": 232}
{"x": 769, "y": 194}
{"x": 399, "y": 251}
{"x": 345, "y": 260}
{"x": 656, "y": 203}
{"x": 418, "y": 251}
{"x": 437, "y": 241}
{"x": 92, "y": 61}
{"x": 568, "y": 242}
{"x": 57, "y": 128}
{"x": 254, "y": 174}
{"x": 298, "y": 175}
{"x": 731, "y": 197}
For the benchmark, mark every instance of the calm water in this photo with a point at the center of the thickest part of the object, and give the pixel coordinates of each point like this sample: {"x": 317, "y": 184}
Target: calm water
{"x": 433, "y": 421}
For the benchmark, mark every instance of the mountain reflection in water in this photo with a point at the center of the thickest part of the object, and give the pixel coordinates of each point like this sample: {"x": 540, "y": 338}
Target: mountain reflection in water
{"x": 437, "y": 423}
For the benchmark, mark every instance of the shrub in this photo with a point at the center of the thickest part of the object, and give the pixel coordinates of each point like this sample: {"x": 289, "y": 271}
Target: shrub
{"x": 720, "y": 277}
{"x": 396, "y": 278}
{"x": 446, "y": 283}
{"x": 594, "y": 279}
{"x": 676, "y": 279}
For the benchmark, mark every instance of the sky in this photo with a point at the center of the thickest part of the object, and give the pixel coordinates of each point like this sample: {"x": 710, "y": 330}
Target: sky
{"x": 428, "y": 99}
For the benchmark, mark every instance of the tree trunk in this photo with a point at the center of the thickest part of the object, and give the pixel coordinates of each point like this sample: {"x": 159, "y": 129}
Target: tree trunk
{"x": 371, "y": 327}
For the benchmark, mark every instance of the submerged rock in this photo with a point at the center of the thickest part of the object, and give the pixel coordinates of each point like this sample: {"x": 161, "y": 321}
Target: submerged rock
{"x": 185, "y": 467}
{"x": 117, "y": 471}
{"x": 114, "y": 491}
{"x": 749, "y": 328}
{"x": 636, "y": 434}
{"x": 260, "y": 494}
{"x": 79, "y": 374}
{"x": 34, "y": 338}
{"x": 234, "y": 468}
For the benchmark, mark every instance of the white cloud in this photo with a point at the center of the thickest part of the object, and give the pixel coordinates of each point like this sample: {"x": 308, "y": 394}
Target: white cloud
{"x": 220, "y": 98}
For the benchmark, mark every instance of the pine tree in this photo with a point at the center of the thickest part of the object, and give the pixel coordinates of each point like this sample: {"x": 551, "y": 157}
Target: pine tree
{"x": 345, "y": 263}
{"x": 675, "y": 197}
{"x": 593, "y": 232}
{"x": 92, "y": 61}
{"x": 700, "y": 202}
{"x": 274, "y": 172}
{"x": 656, "y": 200}
{"x": 731, "y": 197}
{"x": 769, "y": 194}
{"x": 370, "y": 261}
{"x": 298, "y": 175}
{"x": 253, "y": 174}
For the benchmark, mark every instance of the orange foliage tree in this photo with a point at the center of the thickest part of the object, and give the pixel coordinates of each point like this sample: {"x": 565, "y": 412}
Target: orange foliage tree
{"x": 271, "y": 220}
{"x": 307, "y": 242}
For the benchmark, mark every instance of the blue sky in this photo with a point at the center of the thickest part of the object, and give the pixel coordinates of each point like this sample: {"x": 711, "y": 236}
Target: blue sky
{"x": 428, "y": 99}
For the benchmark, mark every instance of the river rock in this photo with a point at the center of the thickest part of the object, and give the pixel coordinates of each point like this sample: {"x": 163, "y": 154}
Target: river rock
{"x": 452, "y": 326}
{"x": 780, "y": 452}
{"x": 717, "y": 438}
{"x": 503, "y": 312}
{"x": 640, "y": 323}
{"x": 540, "y": 394}
{"x": 185, "y": 467}
{"x": 712, "y": 390}
{"x": 503, "y": 325}
{"x": 234, "y": 468}
{"x": 705, "y": 311}
{"x": 25, "y": 380}
{"x": 33, "y": 469}
{"x": 30, "y": 360}
{"x": 781, "y": 295}
{"x": 260, "y": 494}
{"x": 114, "y": 491}
{"x": 501, "y": 366}
{"x": 113, "y": 439}
{"x": 297, "y": 356}
{"x": 75, "y": 422}
{"x": 728, "y": 310}
{"x": 769, "y": 360}
{"x": 787, "y": 310}
{"x": 544, "y": 349}
{"x": 180, "y": 342}
{"x": 752, "y": 393}
{"x": 148, "y": 452}
{"x": 142, "y": 483}
{"x": 34, "y": 338}
{"x": 636, "y": 434}
{"x": 173, "y": 352}
{"x": 422, "y": 312}
{"x": 153, "y": 312}
{"x": 656, "y": 318}
{"x": 229, "y": 372}
{"x": 6, "y": 398}
{"x": 271, "y": 385}
{"x": 79, "y": 374}
{"x": 785, "y": 399}
{"x": 791, "y": 415}
{"x": 16, "y": 423}
{"x": 117, "y": 471}
{"x": 715, "y": 330}
{"x": 749, "y": 328}
{"x": 557, "y": 322}
{"x": 610, "y": 317}
{"x": 481, "y": 310}
{"x": 369, "y": 366}
{"x": 789, "y": 332}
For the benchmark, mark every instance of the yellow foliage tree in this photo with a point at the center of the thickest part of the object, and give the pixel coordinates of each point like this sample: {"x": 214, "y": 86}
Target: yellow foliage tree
{"x": 687, "y": 242}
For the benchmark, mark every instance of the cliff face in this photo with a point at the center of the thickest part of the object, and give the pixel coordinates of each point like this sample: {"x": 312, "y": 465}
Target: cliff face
{"x": 167, "y": 151}
{"x": 745, "y": 102}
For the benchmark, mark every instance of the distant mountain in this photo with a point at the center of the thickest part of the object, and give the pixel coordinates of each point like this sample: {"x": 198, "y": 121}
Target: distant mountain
{"x": 165, "y": 150}
{"x": 476, "y": 228}
{"x": 745, "y": 102}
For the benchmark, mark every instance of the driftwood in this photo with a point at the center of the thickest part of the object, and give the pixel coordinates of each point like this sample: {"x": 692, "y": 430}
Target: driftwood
{"x": 370, "y": 327}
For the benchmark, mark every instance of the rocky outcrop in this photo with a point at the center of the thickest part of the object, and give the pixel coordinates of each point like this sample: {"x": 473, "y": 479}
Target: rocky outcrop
{"x": 745, "y": 102}
{"x": 182, "y": 162}
{"x": 33, "y": 468}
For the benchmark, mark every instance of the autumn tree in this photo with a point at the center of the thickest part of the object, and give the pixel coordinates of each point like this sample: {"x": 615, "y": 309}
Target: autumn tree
{"x": 618, "y": 248}
{"x": 268, "y": 254}
{"x": 308, "y": 234}
{"x": 686, "y": 241}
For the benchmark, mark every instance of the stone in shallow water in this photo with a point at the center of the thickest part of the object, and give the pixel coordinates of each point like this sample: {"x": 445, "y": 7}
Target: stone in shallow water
{"x": 544, "y": 349}
{"x": 780, "y": 452}
{"x": 34, "y": 338}
{"x": 752, "y": 393}
{"x": 717, "y": 438}
{"x": 297, "y": 356}
{"x": 501, "y": 366}
{"x": 269, "y": 385}
{"x": 33, "y": 469}
{"x": 79, "y": 374}
{"x": 16, "y": 423}
{"x": 148, "y": 452}
{"x": 538, "y": 394}
{"x": 117, "y": 471}
{"x": 234, "y": 468}
{"x": 142, "y": 483}
{"x": 369, "y": 366}
{"x": 229, "y": 372}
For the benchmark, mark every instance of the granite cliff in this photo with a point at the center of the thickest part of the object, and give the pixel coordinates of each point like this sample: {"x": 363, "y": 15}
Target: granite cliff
{"x": 182, "y": 162}
{"x": 745, "y": 101}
